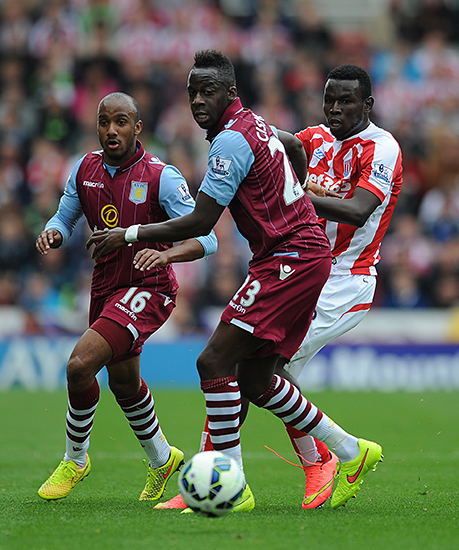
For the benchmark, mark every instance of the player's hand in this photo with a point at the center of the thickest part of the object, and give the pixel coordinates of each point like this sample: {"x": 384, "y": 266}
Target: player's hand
{"x": 147, "y": 258}
{"x": 319, "y": 191}
{"x": 106, "y": 241}
{"x": 51, "y": 238}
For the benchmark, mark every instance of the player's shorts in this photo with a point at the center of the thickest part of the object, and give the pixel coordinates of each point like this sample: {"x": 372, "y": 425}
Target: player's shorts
{"x": 277, "y": 301}
{"x": 140, "y": 310}
{"x": 344, "y": 301}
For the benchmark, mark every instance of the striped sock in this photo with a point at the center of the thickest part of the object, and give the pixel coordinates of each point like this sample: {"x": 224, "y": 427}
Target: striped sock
{"x": 285, "y": 401}
{"x": 140, "y": 413}
{"x": 223, "y": 407}
{"x": 80, "y": 415}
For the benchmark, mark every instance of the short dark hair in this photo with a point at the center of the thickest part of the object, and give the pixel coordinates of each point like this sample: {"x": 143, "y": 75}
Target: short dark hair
{"x": 129, "y": 98}
{"x": 353, "y": 72}
{"x": 213, "y": 59}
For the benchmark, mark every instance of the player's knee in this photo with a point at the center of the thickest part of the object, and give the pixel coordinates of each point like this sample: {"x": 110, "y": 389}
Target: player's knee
{"x": 252, "y": 388}
{"x": 204, "y": 367}
{"x": 80, "y": 374}
{"x": 123, "y": 389}
{"x": 209, "y": 367}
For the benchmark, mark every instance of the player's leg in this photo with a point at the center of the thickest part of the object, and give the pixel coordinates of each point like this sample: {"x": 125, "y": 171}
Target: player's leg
{"x": 343, "y": 303}
{"x": 91, "y": 353}
{"x": 357, "y": 456}
{"x": 217, "y": 369}
{"x": 177, "y": 502}
{"x": 216, "y": 364}
{"x": 126, "y": 335}
{"x": 319, "y": 464}
{"x": 137, "y": 403}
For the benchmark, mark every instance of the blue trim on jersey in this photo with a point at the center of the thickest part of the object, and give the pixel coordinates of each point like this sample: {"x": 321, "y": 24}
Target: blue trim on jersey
{"x": 111, "y": 169}
{"x": 176, "y": 199}
{"x": 292, "y": 254}
{"x": 230, "y": 159}
{"x": 70, "y": 210}
{"x": 174, "y": 196}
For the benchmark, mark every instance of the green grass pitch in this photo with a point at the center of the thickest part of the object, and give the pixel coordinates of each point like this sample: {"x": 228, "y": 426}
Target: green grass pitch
{"x": 410, "y": 502}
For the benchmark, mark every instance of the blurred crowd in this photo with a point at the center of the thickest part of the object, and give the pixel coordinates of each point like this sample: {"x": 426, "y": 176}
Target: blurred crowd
{"x": 60, "y": 57}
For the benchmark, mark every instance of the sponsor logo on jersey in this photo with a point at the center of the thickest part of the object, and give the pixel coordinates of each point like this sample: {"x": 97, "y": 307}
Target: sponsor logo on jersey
{"x": 138, "y": 194}
{"x": 285, "y": 271}
{"x": 221, "y": 166}
{"x": 382, "y": 172}
{"x": 237, "y": 307}
{"x": 124, "y": 309}
{"x": 109, "y": 215}
{"x": 98, "y": 184}
{"x": 184, "y": 192}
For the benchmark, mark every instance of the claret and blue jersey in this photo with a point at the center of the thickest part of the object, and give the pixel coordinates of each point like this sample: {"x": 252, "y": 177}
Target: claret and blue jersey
{"x": 249, "y": 172}
{"x": 144, "y": 190}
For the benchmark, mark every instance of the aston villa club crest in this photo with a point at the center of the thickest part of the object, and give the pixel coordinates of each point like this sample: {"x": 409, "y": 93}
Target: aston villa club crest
{"x": 138, "y": 194}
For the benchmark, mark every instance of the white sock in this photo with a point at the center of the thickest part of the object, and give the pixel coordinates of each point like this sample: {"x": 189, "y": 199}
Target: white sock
{"x": 344, "y": 445}
{"x": 157, "y": 449}
{"x": 307, "y": 449}
{"x": 140, "y": 413}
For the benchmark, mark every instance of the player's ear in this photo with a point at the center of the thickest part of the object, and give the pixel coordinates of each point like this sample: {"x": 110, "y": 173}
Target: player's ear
{"x": 138, "y": 127}
{"x": 232, "y": 93}
{"x": 368, "y": 104}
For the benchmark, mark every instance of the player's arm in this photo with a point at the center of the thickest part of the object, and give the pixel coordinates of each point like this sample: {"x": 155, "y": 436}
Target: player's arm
{"x": 176, "y": 200}
{"x": 375, "y": 183}
{"x": 199, "y": 222}
{"x": 50, "y": 238}
{"x": 353, "y": 211}
{"x": 187, "y": 251}
{"x": 60, "y": 227}
{"x": 296, "y": 153}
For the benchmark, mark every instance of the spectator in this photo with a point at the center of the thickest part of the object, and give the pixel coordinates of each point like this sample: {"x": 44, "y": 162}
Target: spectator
{"x": 60, "y": 57}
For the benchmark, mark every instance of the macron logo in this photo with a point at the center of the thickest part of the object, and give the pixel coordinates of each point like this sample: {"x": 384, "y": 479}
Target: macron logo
{"x": 285, "y": 271}
{"x": 98, "y": 184}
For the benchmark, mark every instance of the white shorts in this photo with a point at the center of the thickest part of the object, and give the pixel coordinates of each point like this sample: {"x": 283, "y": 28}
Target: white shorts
{"x": 344, "y": 301}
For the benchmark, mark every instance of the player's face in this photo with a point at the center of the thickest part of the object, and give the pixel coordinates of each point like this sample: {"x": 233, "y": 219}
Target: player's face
{"x": 208, "y": 96}
{"x": 118, "y": 130}
{"x": 346, "y": 112}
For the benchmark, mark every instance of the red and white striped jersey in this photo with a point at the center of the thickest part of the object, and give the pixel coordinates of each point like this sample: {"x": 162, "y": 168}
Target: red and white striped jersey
{"x": 371, "y": 159}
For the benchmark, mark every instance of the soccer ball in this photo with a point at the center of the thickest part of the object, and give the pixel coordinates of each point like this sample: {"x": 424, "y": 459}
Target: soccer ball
{"x": 211, "y": 483}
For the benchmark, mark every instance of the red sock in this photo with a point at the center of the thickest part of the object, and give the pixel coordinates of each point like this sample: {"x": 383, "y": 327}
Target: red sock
{"x": 322, "y": 449}
{"x": 206, "y": 443}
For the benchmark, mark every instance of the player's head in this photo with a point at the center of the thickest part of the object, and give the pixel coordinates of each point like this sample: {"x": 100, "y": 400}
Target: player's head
{"x": 211, "y": 87}
{"x": 118, "y": 125}
{"x": 347, "y": 100}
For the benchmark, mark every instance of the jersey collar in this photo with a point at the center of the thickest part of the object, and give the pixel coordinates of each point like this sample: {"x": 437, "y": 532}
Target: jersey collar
{"x": 232, "y": 109}
{"x": 136, "y": 157}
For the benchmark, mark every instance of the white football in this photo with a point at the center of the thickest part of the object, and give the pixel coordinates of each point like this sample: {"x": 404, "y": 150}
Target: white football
{"x": 211, "y": 483}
